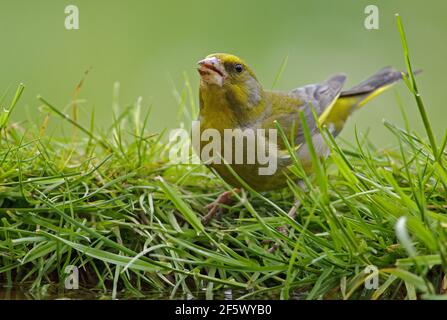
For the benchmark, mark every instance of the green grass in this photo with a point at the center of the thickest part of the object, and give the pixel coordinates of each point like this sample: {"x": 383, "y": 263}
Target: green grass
{"x": 109, "y": 202}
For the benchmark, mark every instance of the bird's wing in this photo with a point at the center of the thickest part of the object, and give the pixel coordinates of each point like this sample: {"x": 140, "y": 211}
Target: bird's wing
{"x": 320, "y": 97}
{"x": 285, "y": 108}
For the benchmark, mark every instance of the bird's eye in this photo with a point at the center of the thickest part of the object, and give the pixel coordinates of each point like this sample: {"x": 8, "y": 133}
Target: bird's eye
{"x": 239, "y": 68}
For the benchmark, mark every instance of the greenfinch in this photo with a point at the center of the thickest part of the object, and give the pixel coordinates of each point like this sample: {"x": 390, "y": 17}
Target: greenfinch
{"x": 231, "y": 97}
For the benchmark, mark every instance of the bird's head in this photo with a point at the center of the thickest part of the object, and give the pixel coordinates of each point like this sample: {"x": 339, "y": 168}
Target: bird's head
{"x": 221, "y": 68}
{"x": 227, "y": 72}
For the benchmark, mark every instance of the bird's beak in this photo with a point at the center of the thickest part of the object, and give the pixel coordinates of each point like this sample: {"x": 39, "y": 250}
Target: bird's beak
{"x": 212, "y": 71}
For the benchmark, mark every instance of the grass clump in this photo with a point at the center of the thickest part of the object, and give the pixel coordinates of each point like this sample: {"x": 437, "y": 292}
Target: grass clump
{"x": 110, "y": 203}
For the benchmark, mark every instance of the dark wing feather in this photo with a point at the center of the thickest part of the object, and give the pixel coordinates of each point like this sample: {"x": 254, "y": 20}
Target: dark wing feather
{"x": 385, "y": 76}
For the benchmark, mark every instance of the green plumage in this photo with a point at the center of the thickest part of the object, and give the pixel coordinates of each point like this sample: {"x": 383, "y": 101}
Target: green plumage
{"x": 231, "y": 99}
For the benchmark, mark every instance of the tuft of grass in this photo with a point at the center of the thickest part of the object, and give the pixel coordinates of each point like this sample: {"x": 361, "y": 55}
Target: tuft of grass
{"x": 109, "y": 202}
{"x": 6, "y": 113}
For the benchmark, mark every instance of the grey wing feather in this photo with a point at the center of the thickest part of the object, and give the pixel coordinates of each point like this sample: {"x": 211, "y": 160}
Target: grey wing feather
{"x": 318, "y": 96}
{"x": 321, "y": 95}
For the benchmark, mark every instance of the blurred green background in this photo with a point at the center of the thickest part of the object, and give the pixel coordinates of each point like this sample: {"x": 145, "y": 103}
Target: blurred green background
{"x": 148, "y": 46}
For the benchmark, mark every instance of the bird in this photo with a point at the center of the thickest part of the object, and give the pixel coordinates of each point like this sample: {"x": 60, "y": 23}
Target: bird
{"x": 231, "y": 97}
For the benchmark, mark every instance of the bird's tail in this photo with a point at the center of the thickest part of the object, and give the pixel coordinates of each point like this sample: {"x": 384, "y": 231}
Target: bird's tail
{"x": 372, "y": 87}
{"x": 358, "y": 96}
